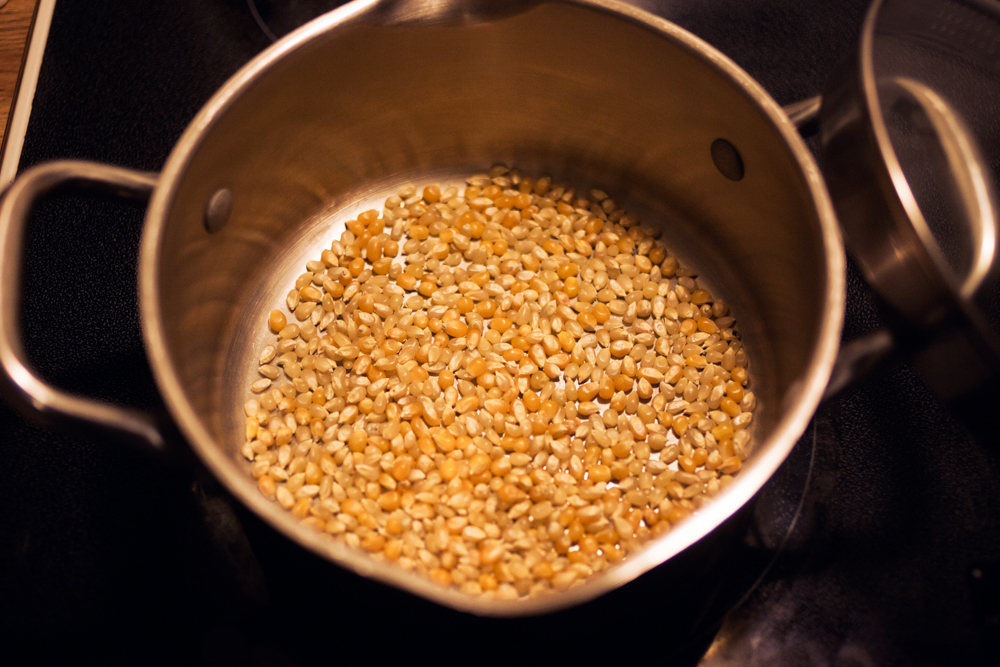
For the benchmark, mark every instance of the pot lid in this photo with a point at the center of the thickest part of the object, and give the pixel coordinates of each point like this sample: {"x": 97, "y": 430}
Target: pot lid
{"x": 911, "y": 153}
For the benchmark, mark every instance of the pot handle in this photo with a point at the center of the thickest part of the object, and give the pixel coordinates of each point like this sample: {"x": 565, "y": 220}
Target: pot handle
{"x": 804, "y": 114}
{"x": 969, "y": 172}
{"x": 38, "y": 399}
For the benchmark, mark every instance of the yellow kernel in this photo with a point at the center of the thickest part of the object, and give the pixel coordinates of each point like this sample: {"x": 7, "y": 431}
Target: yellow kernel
{"x": 599, "y": 473}
{"x": 542, "y": 570}
{"x": 486, "y": 308}
{"x": 602, "y": 313}
{"x": 587, "y": 392}
{"x": 696, "y": 361}
{"x": 509, "y": 493}
{"x": 487, "y": 582}
{"x": 501, "y": 467}
{"x": 448, "y": 469}
{"x": 723, "y": 432}
{"x": 456, "y": 328}
{"x": 301, "y": 508}
{"x": 501, "y": 324}
{"x": 432, "y": 194}
{"x": 477, "y": 367}
{"x": 267, "y": 486}
{"x": 389, "y": 501}
{"x": 393, "y": 549}
{"x": 357, "y": 440}
{"x": 700, "y": 296}
{"x": 440, "y": 577}
{"x": 406, "y": 281}
{"x": 446, "y": 379}
{"x": 571, "y": 287}
{"x": 734, "y": 391}
{"x": 373, "y": 251}
{"x": 277, "y": 320}
{"x": 401, "y": 468}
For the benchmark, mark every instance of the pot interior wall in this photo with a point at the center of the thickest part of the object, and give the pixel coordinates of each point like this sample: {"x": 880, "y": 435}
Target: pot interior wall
{"x": 592, "y": 99}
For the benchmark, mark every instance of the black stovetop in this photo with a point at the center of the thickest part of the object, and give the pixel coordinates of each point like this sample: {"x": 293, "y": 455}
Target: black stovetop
{"x": 105, "y": 556}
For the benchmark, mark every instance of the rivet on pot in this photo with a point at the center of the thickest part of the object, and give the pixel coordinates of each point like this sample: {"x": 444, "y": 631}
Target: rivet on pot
{"x": 727, "y": 159}
{"x": 220, "y": 206}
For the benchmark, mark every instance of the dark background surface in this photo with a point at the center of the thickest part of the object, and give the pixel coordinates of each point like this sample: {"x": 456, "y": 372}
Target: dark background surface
{"x": 104, "y": 553}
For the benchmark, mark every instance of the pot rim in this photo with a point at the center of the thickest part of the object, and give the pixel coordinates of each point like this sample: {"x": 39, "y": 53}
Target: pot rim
{"x": 800, "y": 401}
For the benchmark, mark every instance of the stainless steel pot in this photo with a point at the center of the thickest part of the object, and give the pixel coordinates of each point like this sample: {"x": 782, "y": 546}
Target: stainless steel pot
{"x": 382, "y": 92}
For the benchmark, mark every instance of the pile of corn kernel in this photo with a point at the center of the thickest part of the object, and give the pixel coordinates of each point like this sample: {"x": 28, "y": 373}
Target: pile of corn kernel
{"x": 506, "y": 389}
